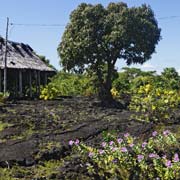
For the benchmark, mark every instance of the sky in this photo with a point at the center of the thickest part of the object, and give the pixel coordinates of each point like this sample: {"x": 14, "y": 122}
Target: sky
{"x": 44, "y": 39}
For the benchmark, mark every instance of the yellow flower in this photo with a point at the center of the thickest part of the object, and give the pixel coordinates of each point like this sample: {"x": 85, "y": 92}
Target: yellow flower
{"x": 153, "y": 107}
{"x": 114, "y": 92}
{"x": 166, "y": 101}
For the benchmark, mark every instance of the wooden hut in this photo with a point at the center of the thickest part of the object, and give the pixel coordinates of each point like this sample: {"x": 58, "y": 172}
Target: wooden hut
{"x": 25, "y": 70}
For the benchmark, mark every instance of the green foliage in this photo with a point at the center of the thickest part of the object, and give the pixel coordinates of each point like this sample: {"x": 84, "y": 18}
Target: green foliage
{"x": 128, "y": 158}
{"x": 43, "y": 171}
{"x": 4, "y": 125}
{"x": 154, "y": 104}
{"x": 66, "y": 84}
{"x": 3, "y": 97}
{"x": 97, "y": 37}
{"x": 141, "y": 81}
{"x": 170, "y": 73}
{"x": 132, "y": 78}
{"x": 47, "y": 169}
{"x": 46, "y": 61}
{"x": 171, "y": 78}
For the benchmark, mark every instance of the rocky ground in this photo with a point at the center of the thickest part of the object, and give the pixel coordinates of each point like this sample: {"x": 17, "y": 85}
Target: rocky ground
{"x": 34, "y": 135}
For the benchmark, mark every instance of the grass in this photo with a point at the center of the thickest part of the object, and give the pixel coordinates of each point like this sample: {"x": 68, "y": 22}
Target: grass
{"x": 4, "y": 125}
{"x": 45, "y": 170}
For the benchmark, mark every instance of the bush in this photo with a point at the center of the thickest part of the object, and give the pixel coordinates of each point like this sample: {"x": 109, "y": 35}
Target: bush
{"x": 3, "y": 97}
{"x": 154, "y": 104}
{"x": 129, "y": 158}
{"x": 66, "y": 84}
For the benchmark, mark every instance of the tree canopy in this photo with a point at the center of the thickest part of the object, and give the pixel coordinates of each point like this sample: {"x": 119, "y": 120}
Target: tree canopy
{"x": 98, "y": 36}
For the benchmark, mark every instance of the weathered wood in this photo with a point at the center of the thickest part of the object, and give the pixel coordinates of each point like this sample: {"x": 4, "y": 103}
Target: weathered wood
{"x": 20, "y": 83}
{"x": 37, "y": 79}
{"x": 22, "y": 56}
{"x": 5, "y": 57}
{"x": 38, "y": 82}
{"x": 16, "y": 83}
{"x": 0, "y": 81}
{"x": 45, "y": 78}
{"x": 30, "y": 83}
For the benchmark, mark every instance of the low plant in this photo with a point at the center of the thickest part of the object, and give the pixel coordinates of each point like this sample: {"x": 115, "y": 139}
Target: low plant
{"x": 4, "y": 125}
{"x": 4, "y": 97}
{"x": 128, "y": 158}
{"x": 154, "y": 104}
{"x": 66, "y": 84}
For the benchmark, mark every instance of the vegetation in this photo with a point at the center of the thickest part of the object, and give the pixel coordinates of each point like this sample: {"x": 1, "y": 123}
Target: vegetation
{"x": 46, "y": 61}
{"x": 66, "y": 84}
{"x": 129, "y": 158}
{"x": 154, "y": 104}
{"x": 39, "y": 139}
{"x": 96, "y": 37}
{"x": 3, "y": 97}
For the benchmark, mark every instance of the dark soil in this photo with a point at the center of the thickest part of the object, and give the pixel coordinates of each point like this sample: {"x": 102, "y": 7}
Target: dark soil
{"x": 37, "y": 132}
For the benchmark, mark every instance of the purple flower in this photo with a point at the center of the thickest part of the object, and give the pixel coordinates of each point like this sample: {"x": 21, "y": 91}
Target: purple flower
{"x": 124, "y": 149}
{"x": 91, "y": 154}
{"x": 168, "y": 163}
{"x": 119, "y": 140}
{"x": 140, "y": 157}
{"x": 166, "y": 132}
{"x": 154, "y": 133}
{"x": 115, "y": 161}
{"x": 164, "y": 157}
{"x": 131, "y": 145}
{"x": 111, "y": 143}
{"x": 76, "y": 142}
{"x": 101, "y": 151}
{"x": 71, "y": 142}
{"x": 114, "y": 149}
{"x": 154, "y": 155}
{"x": 176, "y": 157}
{"x": 103, "y": 144}
{"x": 126, "y": 135}
{"x": 144, "y": 144}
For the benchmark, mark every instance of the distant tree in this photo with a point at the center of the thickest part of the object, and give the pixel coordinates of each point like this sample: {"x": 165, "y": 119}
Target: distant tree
{"x": 171, "y": 78}
{"x": 97, "y": 36}
{"x": 170, "y": 73}
{"x": 134, "y": 72}
{"x": 46, "y": 61}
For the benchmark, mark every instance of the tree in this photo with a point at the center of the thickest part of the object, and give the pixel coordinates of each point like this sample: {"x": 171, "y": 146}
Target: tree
{"x": 46, "y": 61}
{"x": 170, "y": 73}
{"x": 97, "y": 37}
{"x": 171, "y": 78}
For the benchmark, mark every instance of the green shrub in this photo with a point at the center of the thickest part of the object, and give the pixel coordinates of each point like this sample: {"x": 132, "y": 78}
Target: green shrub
{"x": 66, "y": 84}
{"x": 128, "y": 158}
{"x": 3, "y": 97}
{"x": 154, "y": 104}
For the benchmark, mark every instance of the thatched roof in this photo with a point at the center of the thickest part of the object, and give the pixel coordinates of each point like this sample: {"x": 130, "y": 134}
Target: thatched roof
{"x": 21, "y": 56}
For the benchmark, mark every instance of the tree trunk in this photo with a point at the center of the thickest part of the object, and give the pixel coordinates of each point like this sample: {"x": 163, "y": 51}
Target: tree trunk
{"x": 105, "y": 86}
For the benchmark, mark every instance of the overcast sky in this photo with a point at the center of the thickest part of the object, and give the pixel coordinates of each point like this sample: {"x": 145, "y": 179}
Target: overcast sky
{"x": 44, "y": 40}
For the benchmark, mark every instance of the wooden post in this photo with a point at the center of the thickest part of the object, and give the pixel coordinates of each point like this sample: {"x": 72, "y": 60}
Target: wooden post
{"x": 20, "y": 83}
{"x": 39, "y": 81}
{"x": 5, "y": 58}
{"x": 45, "y": 78}
{"x": 0, "y": 81}
{"x": 16, "y": 83}
{"x": 36, "y": 82}
{"x": 30, "y": 84}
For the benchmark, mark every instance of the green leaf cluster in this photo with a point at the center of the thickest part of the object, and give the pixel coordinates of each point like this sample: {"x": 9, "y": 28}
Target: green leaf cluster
{"x": 66, "y": 84}
{"x": 99, "y": 36}
{"x": 154, "y": 104}
{"x": 130, "y": 158}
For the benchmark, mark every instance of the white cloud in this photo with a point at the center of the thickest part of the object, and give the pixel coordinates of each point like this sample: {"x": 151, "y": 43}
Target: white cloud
{"x": 148, "y": 66}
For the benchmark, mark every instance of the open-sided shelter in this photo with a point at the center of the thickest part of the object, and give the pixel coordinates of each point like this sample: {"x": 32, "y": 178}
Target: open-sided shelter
{"x": 25, "y": 70}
